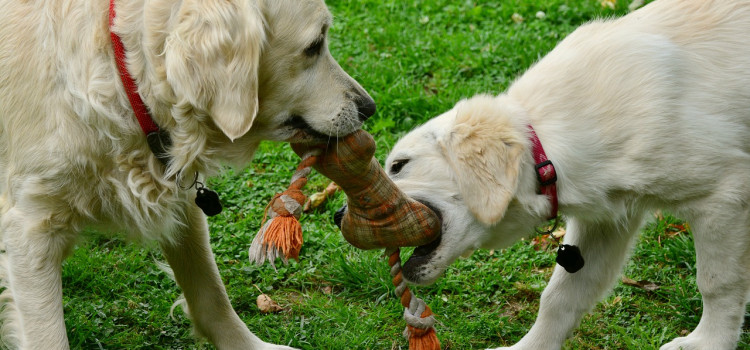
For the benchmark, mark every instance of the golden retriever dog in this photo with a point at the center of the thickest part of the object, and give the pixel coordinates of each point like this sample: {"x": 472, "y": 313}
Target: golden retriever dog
{"x": 651, "y": 110}
{"x": 217, "y": 76}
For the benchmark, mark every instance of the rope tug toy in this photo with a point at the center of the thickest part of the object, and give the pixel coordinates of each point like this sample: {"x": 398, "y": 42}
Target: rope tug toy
{"x": 281, "y": 234}
{"x": 378, "y": 215}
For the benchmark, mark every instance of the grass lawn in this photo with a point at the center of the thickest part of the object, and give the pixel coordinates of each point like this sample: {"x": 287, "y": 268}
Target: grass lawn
{"x": 416, "y": 59}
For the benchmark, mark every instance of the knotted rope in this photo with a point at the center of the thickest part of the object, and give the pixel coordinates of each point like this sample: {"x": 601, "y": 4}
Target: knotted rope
{"x": 420, "y": 320}
{"x": 281, "y": 234}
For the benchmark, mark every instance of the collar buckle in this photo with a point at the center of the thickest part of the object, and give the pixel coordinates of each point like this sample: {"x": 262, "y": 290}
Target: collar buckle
{"x": 546, "y": 176}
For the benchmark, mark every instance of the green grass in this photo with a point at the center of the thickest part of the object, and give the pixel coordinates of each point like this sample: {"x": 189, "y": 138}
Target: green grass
{"x": 416, "y": 59}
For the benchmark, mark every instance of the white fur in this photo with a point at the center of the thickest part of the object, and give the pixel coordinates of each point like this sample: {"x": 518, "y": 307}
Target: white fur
{"x": 218, "y": 75}
{"x": 648, "y": 111}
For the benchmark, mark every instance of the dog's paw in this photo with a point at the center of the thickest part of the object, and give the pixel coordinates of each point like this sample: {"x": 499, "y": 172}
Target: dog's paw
{"x": 682, "y": 343}
{"x": 692, "y": 342}
{"x": 268, "y": 346}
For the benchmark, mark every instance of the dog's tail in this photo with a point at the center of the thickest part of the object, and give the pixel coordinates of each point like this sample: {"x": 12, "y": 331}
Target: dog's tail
{"x": 181, "y": 303}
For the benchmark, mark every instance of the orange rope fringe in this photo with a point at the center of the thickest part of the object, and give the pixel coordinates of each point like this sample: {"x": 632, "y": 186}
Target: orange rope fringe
{"x": 285, "y": 233}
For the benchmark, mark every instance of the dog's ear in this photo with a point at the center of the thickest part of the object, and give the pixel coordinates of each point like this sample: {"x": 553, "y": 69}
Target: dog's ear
{"x": 484, "y": 152}
{"x": 212, "y": 58}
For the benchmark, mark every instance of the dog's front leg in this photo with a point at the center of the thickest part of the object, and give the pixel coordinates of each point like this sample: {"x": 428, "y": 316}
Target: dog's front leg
{"x": 722, "y": 250}
{"x": 569, "y": 296}
{"x": 196, "y": 273}
{"x": 34, "y": 249}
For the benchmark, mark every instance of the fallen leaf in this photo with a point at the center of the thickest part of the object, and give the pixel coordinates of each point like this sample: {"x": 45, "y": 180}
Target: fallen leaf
{"x": 540, "y": 242}
{"x": 317, "y": 199}
{"x": 677, "y": 229}
{"x": 543, "y": 242}
{"x": 266, "y": 304}
{"x": 559, "y": 233}
{"x": 642, "y": 284}
{"x": 512, "y": 309}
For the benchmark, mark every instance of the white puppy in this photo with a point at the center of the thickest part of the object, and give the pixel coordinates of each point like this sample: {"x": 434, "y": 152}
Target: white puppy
{"x": 218, "y": 76}
{"x": 648, "y": 111}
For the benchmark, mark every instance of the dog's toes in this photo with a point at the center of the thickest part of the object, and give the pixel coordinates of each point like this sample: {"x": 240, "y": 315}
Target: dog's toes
{"x": 277, "y": 347}
{"x": 694, "y": 342}
{"x": 678, "y": 344}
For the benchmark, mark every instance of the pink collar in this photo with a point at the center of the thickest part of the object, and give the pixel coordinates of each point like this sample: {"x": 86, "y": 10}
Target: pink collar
{"x": 545, "y": 172}
{"x": 158, "y": 140}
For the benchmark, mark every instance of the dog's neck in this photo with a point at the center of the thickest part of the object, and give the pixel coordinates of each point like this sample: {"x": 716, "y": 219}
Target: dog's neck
{"x": 568, "y": 256}
{"x": 158, "y": 139}
{"x": 545, "y": 172}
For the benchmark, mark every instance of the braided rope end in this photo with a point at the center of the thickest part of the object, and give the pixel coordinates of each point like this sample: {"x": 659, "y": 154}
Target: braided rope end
{"x": 280, "y": 237}
{"x": 420, "y": 328}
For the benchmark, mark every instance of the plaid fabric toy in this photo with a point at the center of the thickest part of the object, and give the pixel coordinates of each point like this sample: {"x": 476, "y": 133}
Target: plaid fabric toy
{"x": 378, "y": 215}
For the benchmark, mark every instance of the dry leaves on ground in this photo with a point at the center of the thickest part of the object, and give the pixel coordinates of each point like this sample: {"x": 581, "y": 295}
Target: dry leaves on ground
{"x": 317, "y": 199}
{"x": 267, "y": 305}
{"x": 643, "y": 284}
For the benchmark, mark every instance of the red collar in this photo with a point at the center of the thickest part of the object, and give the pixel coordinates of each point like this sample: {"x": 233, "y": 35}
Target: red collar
{"x": 157, "y": 139}
{"x": 144, "y": 118}
{"x": 545, "y": 172}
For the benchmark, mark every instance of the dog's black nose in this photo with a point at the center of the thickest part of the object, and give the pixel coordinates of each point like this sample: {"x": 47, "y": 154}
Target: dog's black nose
{"x": 365, "y": 107}
{"x": 338, "y": 216}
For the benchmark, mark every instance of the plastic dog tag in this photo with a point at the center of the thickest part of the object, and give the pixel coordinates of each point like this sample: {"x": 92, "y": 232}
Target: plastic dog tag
{"x": 569, "y": 257}
{"x": 208, "y": 201}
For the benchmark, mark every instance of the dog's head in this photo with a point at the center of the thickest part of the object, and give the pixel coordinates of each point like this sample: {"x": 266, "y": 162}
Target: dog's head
{"x": 302, "y": 87}
{"x": 261, "y": 68}
{"x": 223, "y": 75}
{"x": 468, "y": 164}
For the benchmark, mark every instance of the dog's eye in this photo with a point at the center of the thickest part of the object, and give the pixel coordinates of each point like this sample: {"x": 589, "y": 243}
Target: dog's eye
{"x": 398, "y": 165}
{"x": 315, "y": 47}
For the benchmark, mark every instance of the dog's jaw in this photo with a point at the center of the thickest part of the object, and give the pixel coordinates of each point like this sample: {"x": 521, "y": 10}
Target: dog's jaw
{"x": 419, "y": 268}
{"x": 302, "y": 131}
{"x": 428, "y": 262}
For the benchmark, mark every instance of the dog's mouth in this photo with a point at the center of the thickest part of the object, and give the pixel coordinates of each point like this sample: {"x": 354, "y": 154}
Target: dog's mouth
{"x": 413, "y": 268}
{"x": 421, "y": 254}
{"x": 304, "y": 132}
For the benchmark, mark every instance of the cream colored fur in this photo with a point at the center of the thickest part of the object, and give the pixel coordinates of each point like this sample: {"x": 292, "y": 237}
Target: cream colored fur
{"x": 218, "y": 75}
{"x": 648, "y": 111}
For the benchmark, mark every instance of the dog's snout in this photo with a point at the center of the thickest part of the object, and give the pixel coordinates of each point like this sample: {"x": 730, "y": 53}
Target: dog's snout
{"x": 365, "y": 107}
{"x": 338, "y": 216}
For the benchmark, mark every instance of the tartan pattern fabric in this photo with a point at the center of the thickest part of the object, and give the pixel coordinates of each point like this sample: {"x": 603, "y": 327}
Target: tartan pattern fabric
{"x": 378, "y": 214}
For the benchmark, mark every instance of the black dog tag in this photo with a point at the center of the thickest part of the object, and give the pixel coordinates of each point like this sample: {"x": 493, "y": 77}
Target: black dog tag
{"x": 208, "y": 201}
{"x": 569, "y": 257}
